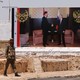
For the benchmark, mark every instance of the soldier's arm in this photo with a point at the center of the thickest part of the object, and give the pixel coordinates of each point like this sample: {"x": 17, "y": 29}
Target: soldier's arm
{"x": 6, "y": 51}
{"x": 14, "y": 54}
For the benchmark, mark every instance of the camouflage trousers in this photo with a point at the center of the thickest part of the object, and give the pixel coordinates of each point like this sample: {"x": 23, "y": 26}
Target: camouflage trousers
{"x": 12, "y": 62}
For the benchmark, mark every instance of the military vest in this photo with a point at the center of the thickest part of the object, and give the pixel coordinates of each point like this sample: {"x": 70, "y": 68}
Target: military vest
{"x": 10, "y": 53}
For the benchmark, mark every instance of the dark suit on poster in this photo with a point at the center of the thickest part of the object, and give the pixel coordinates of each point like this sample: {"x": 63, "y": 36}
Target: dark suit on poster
{"x": 61, "y": 30}
{"x": 45, "y": 27}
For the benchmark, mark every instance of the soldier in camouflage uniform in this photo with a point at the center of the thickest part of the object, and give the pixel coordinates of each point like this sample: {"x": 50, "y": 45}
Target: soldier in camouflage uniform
{"x": 10, "y": 55}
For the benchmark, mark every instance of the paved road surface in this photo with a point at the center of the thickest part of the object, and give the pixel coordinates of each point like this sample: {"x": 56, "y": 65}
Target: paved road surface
{"x": 75, "y": 78}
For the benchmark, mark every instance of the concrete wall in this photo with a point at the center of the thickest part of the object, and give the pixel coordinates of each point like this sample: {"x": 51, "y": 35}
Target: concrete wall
{"x": 5, "y": 31}
{"x": 5, "y": 21}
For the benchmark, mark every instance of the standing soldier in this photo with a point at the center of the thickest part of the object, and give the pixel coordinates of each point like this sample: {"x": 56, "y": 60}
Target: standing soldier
{"x": 10, "y": 55}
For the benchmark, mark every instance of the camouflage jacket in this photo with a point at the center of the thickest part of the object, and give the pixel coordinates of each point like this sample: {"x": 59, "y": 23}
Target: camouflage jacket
{"x": 10, "y": 52}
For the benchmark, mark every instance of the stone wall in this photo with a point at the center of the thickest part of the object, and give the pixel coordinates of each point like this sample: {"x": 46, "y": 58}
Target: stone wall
{"x": 21, "y": 66}
{"x": 70, "y": 64}
{"x": 74, "y": 63}
{"x": 38, "y": 64}
{"x": 54, "y": 66}
{"x": 3, "y": 44}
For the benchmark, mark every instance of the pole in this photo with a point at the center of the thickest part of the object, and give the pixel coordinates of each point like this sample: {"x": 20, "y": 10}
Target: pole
{"x": 9, "y": 10}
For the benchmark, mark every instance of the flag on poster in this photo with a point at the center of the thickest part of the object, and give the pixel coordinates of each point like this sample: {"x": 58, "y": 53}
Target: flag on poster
{"x": 22, "y": 24}
{"x": 58, "y": 15}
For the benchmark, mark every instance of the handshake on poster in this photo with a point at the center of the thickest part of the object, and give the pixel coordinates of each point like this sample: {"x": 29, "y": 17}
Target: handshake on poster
{"x": 52, "y": 25}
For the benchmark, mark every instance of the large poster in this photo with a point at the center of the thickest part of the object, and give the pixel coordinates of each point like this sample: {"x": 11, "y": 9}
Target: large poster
{"x": 30, "y": 29}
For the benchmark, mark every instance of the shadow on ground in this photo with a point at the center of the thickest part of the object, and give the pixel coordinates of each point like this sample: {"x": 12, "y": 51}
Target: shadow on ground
{"x": 58, "y": 78}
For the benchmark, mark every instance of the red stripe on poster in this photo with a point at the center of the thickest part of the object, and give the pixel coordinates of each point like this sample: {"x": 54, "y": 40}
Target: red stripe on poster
{"x": 18, "y": 30}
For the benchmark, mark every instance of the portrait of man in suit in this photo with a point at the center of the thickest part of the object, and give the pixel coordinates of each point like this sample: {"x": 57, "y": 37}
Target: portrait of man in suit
{"x": 45, "y": 27}
{"x": 61, "y": 30}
